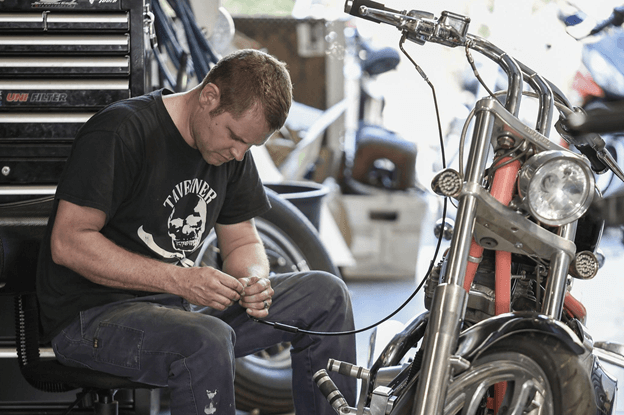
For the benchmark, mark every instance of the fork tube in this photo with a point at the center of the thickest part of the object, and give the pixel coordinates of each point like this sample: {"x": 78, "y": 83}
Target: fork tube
{"x": 475, "y": 168}
{"x": 558, "y": 274}
{"x": 447, "y": 310}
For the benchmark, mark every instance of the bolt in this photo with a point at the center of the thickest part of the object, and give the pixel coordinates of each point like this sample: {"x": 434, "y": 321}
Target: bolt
{"x": 488, "y": 242}
{"x": 505, "y": 141}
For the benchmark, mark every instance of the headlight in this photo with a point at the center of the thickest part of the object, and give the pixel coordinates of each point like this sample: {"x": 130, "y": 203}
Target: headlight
{"x": 556, "y": 187}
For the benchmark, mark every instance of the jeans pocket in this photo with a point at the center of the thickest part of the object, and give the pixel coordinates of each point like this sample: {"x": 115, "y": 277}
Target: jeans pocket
{"x": 118, "y": 345}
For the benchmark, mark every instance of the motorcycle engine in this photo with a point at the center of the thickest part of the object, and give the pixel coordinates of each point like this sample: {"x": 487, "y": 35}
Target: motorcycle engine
{"x": 481, "y": 300}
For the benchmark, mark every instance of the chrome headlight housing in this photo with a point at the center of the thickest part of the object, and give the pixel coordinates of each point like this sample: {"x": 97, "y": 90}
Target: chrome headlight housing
{"x": 556, "y": 187}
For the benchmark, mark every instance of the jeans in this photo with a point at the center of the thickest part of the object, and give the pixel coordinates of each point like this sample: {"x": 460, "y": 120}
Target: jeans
{"x": 159, "y": 340}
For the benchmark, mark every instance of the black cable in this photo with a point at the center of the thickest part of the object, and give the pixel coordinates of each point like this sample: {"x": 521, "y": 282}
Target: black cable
{"x": 202, "y": 55}
{"x": 476, "y": 72}
{"x": 293, "y": 329}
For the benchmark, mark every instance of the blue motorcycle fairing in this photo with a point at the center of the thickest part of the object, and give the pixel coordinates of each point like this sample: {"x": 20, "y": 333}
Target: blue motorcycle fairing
{"x": 610, "y": 50}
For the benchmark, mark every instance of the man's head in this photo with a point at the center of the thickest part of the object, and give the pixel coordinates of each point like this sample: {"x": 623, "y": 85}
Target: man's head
{"x": 249, "y": 78}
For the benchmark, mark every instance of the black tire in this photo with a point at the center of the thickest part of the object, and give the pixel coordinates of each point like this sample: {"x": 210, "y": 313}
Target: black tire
{"x": 542, "y": 364}
{"x": 296, "y": 227}
{"x": 264, "y": 380}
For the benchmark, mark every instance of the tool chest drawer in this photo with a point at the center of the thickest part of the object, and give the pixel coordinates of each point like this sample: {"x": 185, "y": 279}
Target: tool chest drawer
{"x": 64, "y": 65}
{"x": 42, "y": 170}
{"x": 40, "y": 126}
{"x": 55, "y": 93}
{"x": 60, "y": 62}
{"x": 51, "y": 21}
{"x": 70, "y": 44}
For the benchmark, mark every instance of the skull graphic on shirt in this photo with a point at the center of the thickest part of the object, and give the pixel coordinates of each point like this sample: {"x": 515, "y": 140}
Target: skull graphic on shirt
{"x": 187, "y": 223}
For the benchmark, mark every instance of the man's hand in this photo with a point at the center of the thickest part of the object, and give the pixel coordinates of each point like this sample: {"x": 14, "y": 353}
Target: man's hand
{"x": 257, "y": 297}
{"x": 210, "y": 287}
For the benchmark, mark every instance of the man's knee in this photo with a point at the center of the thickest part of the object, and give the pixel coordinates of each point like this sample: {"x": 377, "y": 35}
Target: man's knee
{"x": 326, "y": 291}
{"x": 208, "y": 336}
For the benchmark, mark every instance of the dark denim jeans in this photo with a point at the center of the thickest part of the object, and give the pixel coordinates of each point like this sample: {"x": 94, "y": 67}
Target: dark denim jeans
{"x": 158, "y": 340}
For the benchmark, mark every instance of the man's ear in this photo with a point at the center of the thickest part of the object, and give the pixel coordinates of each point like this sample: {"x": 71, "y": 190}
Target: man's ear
{"x": 210, "y": 96}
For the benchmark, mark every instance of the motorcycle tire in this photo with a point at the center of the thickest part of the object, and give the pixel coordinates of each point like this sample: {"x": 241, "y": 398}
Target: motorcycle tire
{"x": 539, "y": 370}
{"x": 264, "y": 380}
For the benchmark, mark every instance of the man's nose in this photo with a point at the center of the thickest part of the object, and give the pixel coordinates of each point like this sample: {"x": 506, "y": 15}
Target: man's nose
{"x": 239, "y": 150}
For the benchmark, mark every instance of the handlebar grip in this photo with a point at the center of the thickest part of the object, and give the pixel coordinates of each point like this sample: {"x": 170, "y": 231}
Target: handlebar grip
{"x": 352, "y": 7}
{"x": 598, "y": 120}
{"x": 329, "y": 390}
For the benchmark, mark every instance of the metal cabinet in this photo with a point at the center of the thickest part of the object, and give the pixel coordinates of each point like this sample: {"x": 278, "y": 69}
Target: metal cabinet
{"x": 60, "y": 62}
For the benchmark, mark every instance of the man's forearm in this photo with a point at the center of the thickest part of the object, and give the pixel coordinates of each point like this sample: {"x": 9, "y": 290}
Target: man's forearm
{"x": 98, "y": 259}
{"x": 247, "y": 261}
{"x": 78, "y": 244}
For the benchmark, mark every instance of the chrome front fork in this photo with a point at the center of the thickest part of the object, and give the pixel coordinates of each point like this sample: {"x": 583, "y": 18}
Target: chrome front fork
{"x": 447, "y": 310}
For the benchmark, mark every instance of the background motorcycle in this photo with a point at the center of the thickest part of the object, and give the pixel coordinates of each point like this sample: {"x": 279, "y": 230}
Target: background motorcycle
{"x": 371, "y": 158}
{"x": 516, "y": 343}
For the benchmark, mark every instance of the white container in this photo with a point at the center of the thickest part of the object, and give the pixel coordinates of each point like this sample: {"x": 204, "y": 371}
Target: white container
{"x": 383, "y": 233}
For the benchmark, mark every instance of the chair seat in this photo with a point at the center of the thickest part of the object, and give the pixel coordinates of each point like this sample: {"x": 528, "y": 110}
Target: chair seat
{"x": 54, "y": 375}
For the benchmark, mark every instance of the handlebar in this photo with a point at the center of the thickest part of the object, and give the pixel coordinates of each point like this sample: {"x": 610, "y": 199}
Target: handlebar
{"x": 353, "y": 8}
{"x": 451, "y": 30}
{"x": 616, "y": 19}
{"x": 598, "y": 120}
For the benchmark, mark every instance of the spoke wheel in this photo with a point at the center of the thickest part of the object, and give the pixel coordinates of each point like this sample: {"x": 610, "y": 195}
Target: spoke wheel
{"x": 542, "y": 377}
{"x": 527, "y": 389}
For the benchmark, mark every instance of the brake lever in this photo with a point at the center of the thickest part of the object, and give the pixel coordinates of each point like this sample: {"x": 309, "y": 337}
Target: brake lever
{"x": 608, "y": 159}
{"x": 581, "y": 130}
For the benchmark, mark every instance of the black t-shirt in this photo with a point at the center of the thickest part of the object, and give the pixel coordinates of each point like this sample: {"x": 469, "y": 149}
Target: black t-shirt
{"x": 160, "y": 197}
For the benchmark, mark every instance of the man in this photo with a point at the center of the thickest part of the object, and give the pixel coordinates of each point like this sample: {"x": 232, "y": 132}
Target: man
{"x": 147, "y": 179}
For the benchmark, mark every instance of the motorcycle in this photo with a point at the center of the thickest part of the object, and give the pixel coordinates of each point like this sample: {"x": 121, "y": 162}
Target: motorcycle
{"x": 370, "y": 158}
{"x": 502, "y": 334}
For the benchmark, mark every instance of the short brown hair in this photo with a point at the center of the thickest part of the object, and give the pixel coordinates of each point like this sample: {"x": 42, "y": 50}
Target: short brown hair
{"x": 250, "y": 77}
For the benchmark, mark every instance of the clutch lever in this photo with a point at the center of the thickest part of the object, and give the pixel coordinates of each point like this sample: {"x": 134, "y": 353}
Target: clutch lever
{"x": 354, "y": 8}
